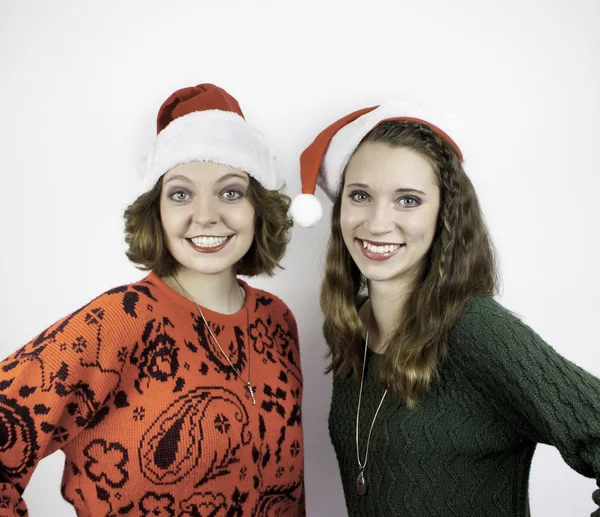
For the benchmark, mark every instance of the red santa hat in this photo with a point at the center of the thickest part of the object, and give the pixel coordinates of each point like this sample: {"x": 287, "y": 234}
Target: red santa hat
{"x": 205, "y": 124}
{"x": 323, "y": 162}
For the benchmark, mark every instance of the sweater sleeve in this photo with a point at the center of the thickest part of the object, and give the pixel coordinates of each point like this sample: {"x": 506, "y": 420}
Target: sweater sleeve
{"x": 56, "y": 386}
{"x": 294, "y": 359}
{"x": 546, "y": 397}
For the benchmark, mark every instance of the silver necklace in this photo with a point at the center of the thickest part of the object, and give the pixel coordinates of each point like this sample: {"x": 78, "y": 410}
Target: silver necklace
{"x": 247, "y": 383}
{"x": 361, "y": 481}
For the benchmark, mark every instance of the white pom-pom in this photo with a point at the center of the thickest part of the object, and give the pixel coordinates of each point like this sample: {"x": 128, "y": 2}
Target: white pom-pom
{"x": 306, "y": 210}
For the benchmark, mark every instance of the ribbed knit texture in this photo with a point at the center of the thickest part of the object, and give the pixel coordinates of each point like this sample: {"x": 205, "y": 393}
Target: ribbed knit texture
{"x": 149, "y": 414}
{"x": 466, "y": 449}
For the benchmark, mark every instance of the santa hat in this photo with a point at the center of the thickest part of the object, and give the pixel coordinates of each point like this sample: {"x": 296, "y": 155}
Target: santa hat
{"x": 205, "y": 124}
{"x": 323, "y": 162}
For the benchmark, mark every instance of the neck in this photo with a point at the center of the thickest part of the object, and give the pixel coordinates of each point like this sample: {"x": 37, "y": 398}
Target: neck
{"x": 386, "y": 303}
{"x": 219, "y": 292}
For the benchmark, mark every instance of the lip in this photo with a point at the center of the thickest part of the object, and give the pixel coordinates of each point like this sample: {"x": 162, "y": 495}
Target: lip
{"x": 213, "y": 249}
{"x": 379, "y": 257}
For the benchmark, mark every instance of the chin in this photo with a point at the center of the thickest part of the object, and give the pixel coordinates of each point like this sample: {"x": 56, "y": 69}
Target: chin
{"x": 381, "y": 276}
{"x": 210, "y": 266}
{"x": 207, "y": 271}
{"x": 384, "y": 273}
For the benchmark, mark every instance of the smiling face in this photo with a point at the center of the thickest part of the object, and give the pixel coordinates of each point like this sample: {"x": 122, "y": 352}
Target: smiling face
{"x": 207, "y": 218}
{"x": 389, "y": 210}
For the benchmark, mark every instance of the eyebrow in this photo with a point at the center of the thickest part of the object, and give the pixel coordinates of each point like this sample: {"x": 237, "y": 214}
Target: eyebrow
{"x": 178, "y": 177}
{"x": 222, "y": 178}
{"x": 233, "y": 175}
{"x": 399, "y": 190}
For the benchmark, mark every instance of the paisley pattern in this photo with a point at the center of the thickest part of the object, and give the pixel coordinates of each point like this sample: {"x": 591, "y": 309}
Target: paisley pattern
{"x": 173, "y": 445}
{"x": 150, "y": 415}
{"x": 17, "y": 435}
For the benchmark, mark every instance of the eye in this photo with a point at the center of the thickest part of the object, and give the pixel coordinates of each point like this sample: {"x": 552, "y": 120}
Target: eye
{"x": 409, "y": 201}
{"x": 179, "y": 195}
{"x": 359, "y": 196}
{"x": 231, "y": 194}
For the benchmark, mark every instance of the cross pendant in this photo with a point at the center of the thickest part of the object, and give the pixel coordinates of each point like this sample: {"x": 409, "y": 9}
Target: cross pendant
{"x": 251, "y": 393}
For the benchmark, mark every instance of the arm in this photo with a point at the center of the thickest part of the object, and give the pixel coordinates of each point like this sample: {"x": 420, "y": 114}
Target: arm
{"x": 293, "y": 358}
{"x": 53, "y": 388}
{"x": 544, "y": 396}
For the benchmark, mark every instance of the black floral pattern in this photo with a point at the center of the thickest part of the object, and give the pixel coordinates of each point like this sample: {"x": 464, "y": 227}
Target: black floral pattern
{"x": 79, "y": 345}
{"x": 157, "y": 505}
{"x": 222, "y": 423}
{"x": 261, "y": 339}
{"x": 203, "y": 504}
{"x": 106, "y": 462}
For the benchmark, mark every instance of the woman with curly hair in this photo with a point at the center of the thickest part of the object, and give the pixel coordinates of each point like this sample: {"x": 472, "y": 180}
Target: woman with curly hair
{"x": 179, "y": 394}
{"x": 440, "y": 394}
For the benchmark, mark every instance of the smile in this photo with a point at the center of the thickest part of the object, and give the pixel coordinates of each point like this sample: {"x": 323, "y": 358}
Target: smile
{"x": 209, "y": 244}
{"x": 378, "y": 250}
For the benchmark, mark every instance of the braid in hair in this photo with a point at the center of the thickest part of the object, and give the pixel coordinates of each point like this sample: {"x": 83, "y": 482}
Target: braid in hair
{"x": 447, "y": 218}
{"x": 460, "y": 265}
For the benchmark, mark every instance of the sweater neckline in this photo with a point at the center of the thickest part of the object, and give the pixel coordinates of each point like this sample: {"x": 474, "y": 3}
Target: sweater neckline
{"x": 231, "y": 320}
{"x": 370, "y": 354}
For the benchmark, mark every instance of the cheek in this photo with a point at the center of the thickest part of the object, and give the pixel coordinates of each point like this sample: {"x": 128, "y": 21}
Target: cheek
{"x": 166, "y": 219}
{"x": 172, "y": 220}
{"x": 421, "y": 226}
{"x": 241, "y": 217}
{"x": 350, "y": 218}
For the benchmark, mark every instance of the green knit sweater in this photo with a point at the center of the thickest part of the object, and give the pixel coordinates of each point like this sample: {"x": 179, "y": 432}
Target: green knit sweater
{"x": 466, "y": 449}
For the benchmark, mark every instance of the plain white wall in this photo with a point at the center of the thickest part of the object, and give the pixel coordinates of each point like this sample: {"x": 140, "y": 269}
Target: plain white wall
{"x": 80, "y": 84}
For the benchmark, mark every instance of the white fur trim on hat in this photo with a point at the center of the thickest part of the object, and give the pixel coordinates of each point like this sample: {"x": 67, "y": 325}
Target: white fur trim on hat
{"x": 346, "y": 140}
{"x": 306, "y": 210}
{"x": 214, "y": 136}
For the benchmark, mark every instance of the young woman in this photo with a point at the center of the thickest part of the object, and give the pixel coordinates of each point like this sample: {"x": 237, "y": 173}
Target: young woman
{"x": 440, "y": 394}
{"x": 180, "y": 394}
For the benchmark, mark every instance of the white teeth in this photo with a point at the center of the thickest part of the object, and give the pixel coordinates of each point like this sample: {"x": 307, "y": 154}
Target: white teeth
{"x": 388, "y": 248}
{"x": 208, "y": 242}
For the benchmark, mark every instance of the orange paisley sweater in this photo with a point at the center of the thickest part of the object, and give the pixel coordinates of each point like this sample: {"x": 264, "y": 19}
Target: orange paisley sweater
{"x": 150, "y": 416}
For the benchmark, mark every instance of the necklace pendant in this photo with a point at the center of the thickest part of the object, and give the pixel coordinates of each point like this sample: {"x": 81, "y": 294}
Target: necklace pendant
{"x": 361, "y": 483}
{"x": 251, "y": 393}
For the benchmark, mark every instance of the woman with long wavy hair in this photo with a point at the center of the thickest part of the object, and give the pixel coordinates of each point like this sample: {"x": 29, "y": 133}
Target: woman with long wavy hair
{"x": 440, "y": 394}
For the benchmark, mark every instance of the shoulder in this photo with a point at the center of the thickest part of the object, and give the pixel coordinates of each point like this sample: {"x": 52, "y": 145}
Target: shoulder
{"x": 119, "y": 311}
{"x": 486, "y": 315}
{"x": 274, "y": 307}
{"x": 108, "y": 323}
{"x": 131, "y": 300}
{"x": 269, "y": 301}
{"x": 489, "y": 328}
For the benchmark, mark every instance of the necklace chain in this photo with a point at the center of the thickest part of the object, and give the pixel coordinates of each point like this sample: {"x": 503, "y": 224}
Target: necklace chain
{"x": 361, "y": 484}
{"x": 247, "y": 383}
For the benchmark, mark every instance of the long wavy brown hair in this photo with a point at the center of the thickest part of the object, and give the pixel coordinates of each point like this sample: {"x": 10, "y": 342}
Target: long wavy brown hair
{"x": 459, "y": 266}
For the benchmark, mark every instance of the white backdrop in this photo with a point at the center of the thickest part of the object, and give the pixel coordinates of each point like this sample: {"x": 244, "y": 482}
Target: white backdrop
{"x": 80, "y": 84}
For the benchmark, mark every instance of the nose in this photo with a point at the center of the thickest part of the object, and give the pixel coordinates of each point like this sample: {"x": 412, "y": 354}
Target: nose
{"x": 379, "y": 220}
{"x": 206, "y": 211}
